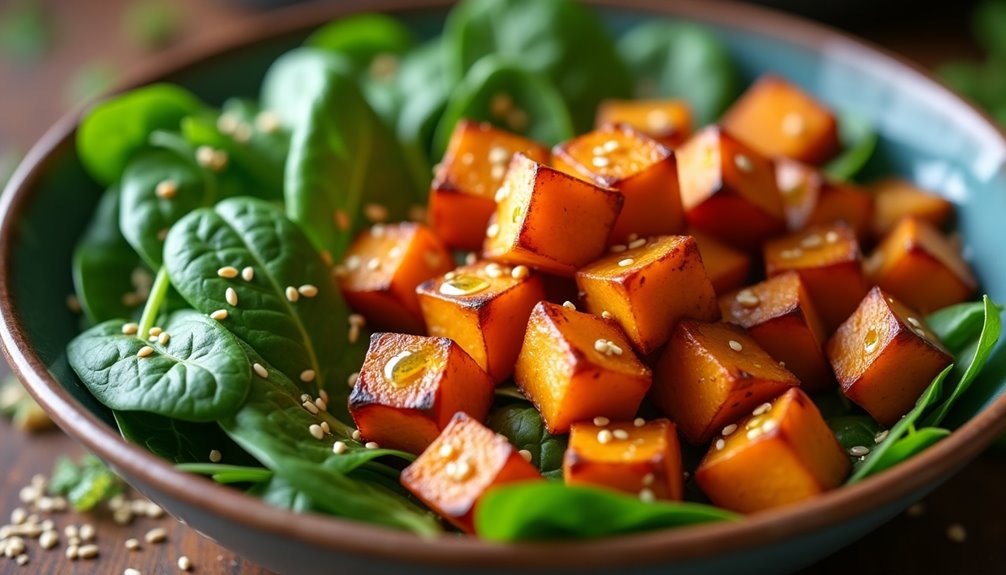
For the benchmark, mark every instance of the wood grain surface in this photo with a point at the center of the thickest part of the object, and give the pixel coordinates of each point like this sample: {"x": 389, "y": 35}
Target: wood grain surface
{"x": 35, "y": 95}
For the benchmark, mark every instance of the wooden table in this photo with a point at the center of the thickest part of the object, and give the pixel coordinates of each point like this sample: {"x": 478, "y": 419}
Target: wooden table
{"x": 34, "y": 97}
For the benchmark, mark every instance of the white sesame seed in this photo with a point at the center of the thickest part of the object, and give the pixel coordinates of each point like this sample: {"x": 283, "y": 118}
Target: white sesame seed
{"x": 87, "y": 532}
{"x": 604, "y": 436}
{"x": 356, "y": 435}
{"x": 314, "y": 428}
{"x": 762, "y": 409}
{"x": 292, "y": 295}
{"x": 525, "y": 454}
{"x": 215, "y": 456}
{"x": 735, "y": 345}
{"x": 71, "y": 531}
{"x": 72, "y": 552}
{"x": 743, "y": 163}
{"x": 620, "y": 434}
{"x": 791, "y": 254}
{"x": 859, "y": 451}
{"x": 880, "y": 437}
{"x": 339, "y": 447}
{"x": 747, "y": 298}
{"x": 260, "y": 370}
{"x": 308, "y": 290}
{"x": 569, "y": 305}
{"x": 371, "y": 445}
{"x": 957, "y": 533}
{"x": 769, "y": 425}
{"x": 87, "y": 551}
{"x": 156, "y": 535}
{"x": 498, "y": 154}
{"x": 164, "y": 338}
{"x": 720, "y": 444}
{"x": 812, "y": 241}
{"x": 649, "y": 478}
{"x": 326, "y": 427}
{"x": 831, "y": 237}
{"x": 322, "y": 406}
{"x": 458, "y": 470}
{"x": 493, "y": 230}
{"x": 914, "y": 322}
{"x": 228, "y": 272}
{"x": 617, "y": 248}
{"x": 729, "y": 429}
{"x": 267, "y": 121}
{"x": 519, "y": 272}
{"x": 48, "y": 539}
{"x": 639, "y": 422}
{"x": 22, "y": 559}
{"x": 166, "y": 189}
{"x": 219, "y": 315}
{"x": 184, "y": 563}
{"x": 626, "y": 262}
{"x": 606, "y": 314}
{"x": 18, "y": 516}
{"x": 132, "y": 544}
{"x": 646, "y": 495}
{"x": 248, "y": 273}
{"x": 754, "y": 433}
{"x": 307, "y": 376}
{"x": 614, "y": 349}
{"x": 601, "y": 345}
{"x": 637, "y": 243}
{"x": 497, "y": 172}
{"x": 793, "y": 124}
{"x": 130, "y": 328}
{"x": 311, "y": 407}
{"x": 600, "y": 162}
{"x": 145, "y": 351}
{"x": 231, "y": 296}
{"x": 375, "y": 212}
{"x": 601, "y": 421}
{"x": 154, "y": 331}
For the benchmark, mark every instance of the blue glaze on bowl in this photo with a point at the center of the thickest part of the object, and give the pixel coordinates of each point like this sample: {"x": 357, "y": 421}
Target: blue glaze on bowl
{"x": 927, "y": 135}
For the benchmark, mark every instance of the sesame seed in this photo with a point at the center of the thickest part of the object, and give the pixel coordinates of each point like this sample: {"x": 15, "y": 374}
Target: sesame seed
{"x": 494, "y": 270}
{"x": 525, "y": 454}
{"x": 154, "y": 331}
{"x": 132, "y": 544}
{"x": 501, "y": 194}
{"x": 601, "y": 345}
{"x": 648, "y": 479}
{"x": 735, "y": 345}
{"x": 639, "y": 422}
{"x": 260, "y": 370}
{"x": 184, "y": 563}
{"x": 130, "y": 328}
{"x": 22, "y": 559}
{"x": 87, "y": 532}
{"x": 957, "y": 533}
{"x": 610, "y": 146}
{"x": 743, "y": 163}
{"x": 831, "y": 237}
{"x": 637, "y": 243}
{"x": 48, "y": 539}
{"x": 357, "y": 320}
{"x": 762, "y": 409}
{"x": 720, "y": 444}
{"x": 248, "y": 273}
{"x": 604, "y": 436}
{"x": 371, "y": 445}
{"x": 339, "y": 447}
{"x": 657, "y": 120}
{"x": 793, "y": 124}
{"x": 305, "y": 397}
{"x": 326, "y": 257}
{"x": 754, "y": 433}
{"x": 215, "y": 456}
{"x": 156, "y": 535}
{"x": 601, "y": 421}
{"x": 520, "y": 272}
{"x": 219, "y": 315}
{"x": 569, "y": 305}
{"x": 322, "y": 406}
{"x": 606, "y": 314}
{"x": 859, "y": 451}
{"x": 812, "y": 241}
{"x": 145, "y": 351}
{"x": 600, "y": 162}
{"x": 87, "y": 551}
{"x": 323, "y": 395}
{"x": 267, "y": 121}
{"x": 747, "y": 298}
{"x": 498, "y": 154}
{"x": 791, "y": 254}
{"x": 352, "y": 379}
{"x": 617, "y": 248}
{"x": 729, "y": 429}
{"x": 916, "y": 510}
{"x": 881, "y": 436}
{"x": 914, "y": 322}
{"x": 326, "y": 427}
{"x": 243, "y": 132}
{"x": 307, "y": 376}
{"x": 613, "y": 348}
{"x": 72, "y": 552}
{"x": 314, "y": 428}
{"x": 231, "y": 296}
{"x": 70, "y": 531}
{"x": 375, "y": 212}
{"x": 626, "y": 262}
{"x": 164, "y": 338}
{"x": 646, "y": 495}
{"x": 292, "y": 295}
{"x": 493, "y": 230}
{"x": 166, "y": 189}
{"x": 620, "y": 434}
{"x": 227, "y": 123}
{"x": 311, "y": 407}
{"x": 769, "y": 425}
{"x": 459, "y": 470}
{"x": 373, "y": 264}
{"x": 356, "y": 435}
{"x": 497, "y": 172}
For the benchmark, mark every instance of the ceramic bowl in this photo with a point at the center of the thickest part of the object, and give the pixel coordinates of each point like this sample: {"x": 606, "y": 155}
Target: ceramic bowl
{"x": 928, "y": 134}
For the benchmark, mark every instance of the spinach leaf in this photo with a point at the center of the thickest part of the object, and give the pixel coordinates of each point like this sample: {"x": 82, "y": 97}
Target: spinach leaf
{"x": 304, "y": 338}
{"x": 680, "y": 60}
{"x": 279, "y": 493}
{"x": 544, "y": 510}
{"x": 84, "y": 485}
{"x": 989, "y": 23}
{"x": 223, "y": 473}
{"x": 958, "y": 325}
{"x": 854, "y": 430}
{"x": 859, "y": 141}
{"x": 179, "y": 441}
{"x": 338, "y": 159}
{"x": 422, "y": 91}
{"x": 296, "y": 80}
{"x": 908, "y": 446}
{"x": 560, "y": 39}
{"x": 522, "y": 425}
{"x": 104, "y": 266}
{"x": 533, "y": 107}
{"x": 145, "y": 215}
{"x": 117, "y": 128}
{"x": 201, "y": 374}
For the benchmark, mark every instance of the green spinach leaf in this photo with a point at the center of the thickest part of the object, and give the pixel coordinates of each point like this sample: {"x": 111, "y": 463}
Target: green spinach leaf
{"x": 422, "y": 92}
{"x": 201, "y": 374}
{"x": 179, "y": 441}
{"x": 117, "y": 128}
{"x": 560, "y": 39}
{"x": 510, "y": 96}
{"x": 958, "y": 325}
{"x": 859, "y": 141}
{"x": 680, "y": 60}
{"x": 296, "y": 80}
{"x": 521, "y": 423}
{"x": 854, "y": 430}
{"x": 908, "y": 446}
{"x": 279, "y": 493}
{"x": 84, "y": 485}
{"x": 223, "y": 473}
{"x": 544, "y": 510}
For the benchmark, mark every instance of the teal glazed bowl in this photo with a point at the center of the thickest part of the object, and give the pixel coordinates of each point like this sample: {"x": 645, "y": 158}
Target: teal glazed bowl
{"x": 928, "y": 135}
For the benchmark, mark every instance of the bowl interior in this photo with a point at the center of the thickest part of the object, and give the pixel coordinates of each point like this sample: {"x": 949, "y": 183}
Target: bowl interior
{"x": 926, "y": 135}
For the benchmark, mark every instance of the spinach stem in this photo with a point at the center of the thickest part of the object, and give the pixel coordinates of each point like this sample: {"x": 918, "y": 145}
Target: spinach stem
{"x": 157, "y": 294}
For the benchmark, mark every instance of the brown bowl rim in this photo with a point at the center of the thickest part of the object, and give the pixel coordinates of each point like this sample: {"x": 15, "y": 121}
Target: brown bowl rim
{"x": 365, "y": 540}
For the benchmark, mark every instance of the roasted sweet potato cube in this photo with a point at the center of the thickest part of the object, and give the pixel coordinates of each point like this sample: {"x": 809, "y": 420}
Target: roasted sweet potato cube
{"x": 463, "y": 462}
{"x": 466, "y": 180}
{"x": 830, "y": 266}
{"x": 895, "y": 199}
{"x": 782, "y": 453}
{"x": 648, "y": 287}
{"x": 666, "y": 121}
{"x": 839, "y": 202}
{"x": 382, "y": 268}
{"x": 800, "y": 186}
{"x": 540, "y": 209}
{"x": 638, "y": 457}
{"x": 778, "y": 119}
{"x": 711, "y": 374}
{"x": 884, "y": 356}
{"x": 642, "y": 169}
{"x": 918, "y": 265}
{"x": 411, "y": 386}
{"x": 779, "y": 315}
{"x": 727, "y": 268}
{"x": 574, "y": 366}
{"x": 729, "y": 190}
{"x": 484, "y": 308}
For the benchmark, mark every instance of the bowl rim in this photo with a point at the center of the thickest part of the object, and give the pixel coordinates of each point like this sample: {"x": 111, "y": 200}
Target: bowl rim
{"x": 360, "y": 539}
